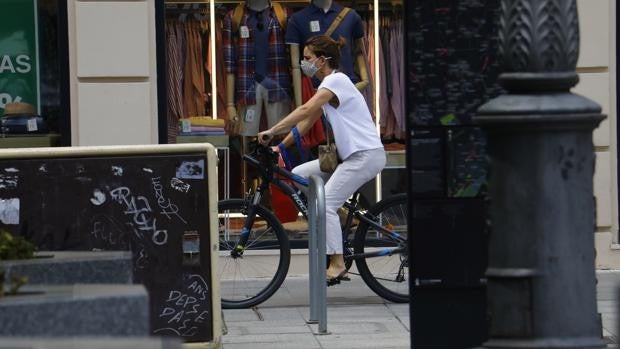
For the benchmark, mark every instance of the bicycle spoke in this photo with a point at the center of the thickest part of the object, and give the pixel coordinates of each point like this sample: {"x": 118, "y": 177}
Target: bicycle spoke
{"x": 382, "y": 257}
{"x": 251, "y": 274}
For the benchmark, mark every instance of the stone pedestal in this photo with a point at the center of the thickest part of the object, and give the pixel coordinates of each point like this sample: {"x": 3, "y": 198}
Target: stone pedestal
{"x": 78, "y": 310}
{"x": 69, "y": 267}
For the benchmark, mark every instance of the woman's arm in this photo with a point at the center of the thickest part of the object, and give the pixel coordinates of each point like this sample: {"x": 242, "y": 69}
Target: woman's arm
{"x": 308, "y": 113}
{"x": 303, "y": 127}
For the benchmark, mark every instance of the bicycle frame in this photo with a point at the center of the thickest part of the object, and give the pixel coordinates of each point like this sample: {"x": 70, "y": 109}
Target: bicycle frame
{"x": 270, "y": 174}
{"x": 377, "y": 235}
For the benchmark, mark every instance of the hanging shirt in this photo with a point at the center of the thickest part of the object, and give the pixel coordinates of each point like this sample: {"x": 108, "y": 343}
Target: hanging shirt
{"x": 240, "y": 58}
{"x": 351, "y": 122}
{"x": 312, "y": 21}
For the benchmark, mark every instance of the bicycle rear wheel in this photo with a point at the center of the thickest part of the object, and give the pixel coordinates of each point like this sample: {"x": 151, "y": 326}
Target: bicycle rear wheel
{"x": 255, "y": 275}
{"x": 387, "y": 272}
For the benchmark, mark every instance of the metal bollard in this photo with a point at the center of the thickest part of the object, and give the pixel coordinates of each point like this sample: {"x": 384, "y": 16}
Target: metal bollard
{"x": 316, "y": 254}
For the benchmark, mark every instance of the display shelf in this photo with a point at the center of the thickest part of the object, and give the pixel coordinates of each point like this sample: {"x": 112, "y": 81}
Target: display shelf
{"x": 395, "y": 159}
{"x": 217, "y": 141}
{"x": 29, "y": 141}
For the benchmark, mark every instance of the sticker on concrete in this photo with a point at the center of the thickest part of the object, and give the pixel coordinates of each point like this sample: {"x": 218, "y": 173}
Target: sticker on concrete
{"x": 8, "y": 181}
{"x": 179, "y": 185}
{"x": 117, "y": 171}
{"x": 98, "y": 197}
{"x": 9, "y": 211}
{"x": 191, "y": 170}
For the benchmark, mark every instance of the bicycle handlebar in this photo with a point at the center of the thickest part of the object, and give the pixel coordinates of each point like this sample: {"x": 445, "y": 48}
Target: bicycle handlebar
{"x": 262, "y": 156}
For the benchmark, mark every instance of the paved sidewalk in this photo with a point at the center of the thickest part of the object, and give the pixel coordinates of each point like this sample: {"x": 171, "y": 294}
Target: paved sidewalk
{"x": 356, "y": 318}
{"x": 607, "y": 292}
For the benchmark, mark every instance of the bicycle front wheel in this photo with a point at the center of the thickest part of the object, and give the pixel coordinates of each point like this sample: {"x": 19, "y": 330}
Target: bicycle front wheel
{"x": 385, "y": 265}
{"x": 250, "y": 274}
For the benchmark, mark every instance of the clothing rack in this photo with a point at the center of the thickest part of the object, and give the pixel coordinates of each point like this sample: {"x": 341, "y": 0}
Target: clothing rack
{"x": 300, "y": 2}
{"x": 351, "y": 3}
{"x": 187, "y": 11}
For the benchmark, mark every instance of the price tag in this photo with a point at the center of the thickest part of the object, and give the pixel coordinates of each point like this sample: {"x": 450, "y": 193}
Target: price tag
{"x": 315, "y": 26}
{"x": 244, "y": 32}
{"x": 32, "y": 125}
{"x": 186, "y": 127}
{"x": 249, "y": 115}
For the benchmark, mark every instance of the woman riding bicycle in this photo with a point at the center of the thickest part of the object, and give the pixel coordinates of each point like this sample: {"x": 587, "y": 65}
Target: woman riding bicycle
{"x": 358, "y": 143}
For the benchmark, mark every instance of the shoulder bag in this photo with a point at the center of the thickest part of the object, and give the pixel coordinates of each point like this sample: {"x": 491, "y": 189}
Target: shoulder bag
{"x": 328, "y": 154}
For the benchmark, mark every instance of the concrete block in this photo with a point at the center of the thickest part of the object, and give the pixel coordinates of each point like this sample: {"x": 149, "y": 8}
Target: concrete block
{"x": 90, "y": 343}
{"x": 75, "y": 310}
{"x": 70, "y": 267}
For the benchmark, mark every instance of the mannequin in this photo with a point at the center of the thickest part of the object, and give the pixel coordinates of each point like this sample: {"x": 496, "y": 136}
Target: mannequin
{"x": 255, "y": 28}
{"x": 257, "y": 69}
{"x": 351, "y": 28}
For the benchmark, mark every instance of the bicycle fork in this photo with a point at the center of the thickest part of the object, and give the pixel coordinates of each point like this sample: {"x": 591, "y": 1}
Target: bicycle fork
{"x": 237, "y": 252}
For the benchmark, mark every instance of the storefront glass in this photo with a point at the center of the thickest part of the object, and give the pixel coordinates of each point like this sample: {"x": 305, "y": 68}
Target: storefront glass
{"x": 33, "y": 72}
{"x": 234, "y": 59}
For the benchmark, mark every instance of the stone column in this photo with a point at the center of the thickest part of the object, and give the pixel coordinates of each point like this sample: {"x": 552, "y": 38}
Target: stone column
{"x": 541, "y": 279}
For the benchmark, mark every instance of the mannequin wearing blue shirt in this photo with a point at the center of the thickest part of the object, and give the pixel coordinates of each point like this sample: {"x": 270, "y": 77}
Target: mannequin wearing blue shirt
{"x": 315, "y": 19}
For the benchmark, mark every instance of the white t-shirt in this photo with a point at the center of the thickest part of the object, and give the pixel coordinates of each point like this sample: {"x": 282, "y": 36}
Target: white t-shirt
{"x": 351, "y": 122}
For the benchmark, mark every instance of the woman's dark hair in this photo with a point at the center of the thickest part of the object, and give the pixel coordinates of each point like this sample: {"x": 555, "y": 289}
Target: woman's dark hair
{"x": 323, "y": 45}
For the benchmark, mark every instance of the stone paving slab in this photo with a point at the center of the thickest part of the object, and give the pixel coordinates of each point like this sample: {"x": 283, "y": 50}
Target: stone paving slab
{"x": 270, "y": 345}
{"x": 267, "y": 327}
{"x": 279, "y": 314}
{"x": 356, "y": 341}
{"x": 357, "y": 318}
{"x": 271, "y": 340}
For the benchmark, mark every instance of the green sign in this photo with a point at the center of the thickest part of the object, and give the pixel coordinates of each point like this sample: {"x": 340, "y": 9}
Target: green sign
{"x": 19, "y": 53}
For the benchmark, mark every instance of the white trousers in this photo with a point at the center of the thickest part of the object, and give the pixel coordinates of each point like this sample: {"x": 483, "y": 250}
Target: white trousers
{"x": 349, "y": 176}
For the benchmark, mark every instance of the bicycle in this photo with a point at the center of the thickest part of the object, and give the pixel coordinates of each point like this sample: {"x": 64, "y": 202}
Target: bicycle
{"x": 250, "y": 235}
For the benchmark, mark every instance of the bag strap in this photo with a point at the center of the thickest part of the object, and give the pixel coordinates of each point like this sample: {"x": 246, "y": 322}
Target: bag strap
{"x": 238, "y": 13}
{"x": 329, "y": 134}
{"x": 337, "y": 21}
{"x": 280, "y": 14}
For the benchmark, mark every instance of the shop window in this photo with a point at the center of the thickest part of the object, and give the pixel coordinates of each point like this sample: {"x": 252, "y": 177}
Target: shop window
{"x": 198, "y": 63}
{"x": 34, "y": 95}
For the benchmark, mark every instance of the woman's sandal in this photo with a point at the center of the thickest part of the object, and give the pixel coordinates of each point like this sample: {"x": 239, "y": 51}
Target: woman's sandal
{"x": 335, "y": 280}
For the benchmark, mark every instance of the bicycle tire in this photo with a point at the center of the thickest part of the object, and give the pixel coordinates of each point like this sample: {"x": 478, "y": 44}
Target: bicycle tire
{"x": 251, "y": 279}
{"x": 379, "y": 272}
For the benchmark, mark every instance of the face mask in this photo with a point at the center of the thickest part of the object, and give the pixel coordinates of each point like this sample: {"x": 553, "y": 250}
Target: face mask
{"x": 308, "y": 68}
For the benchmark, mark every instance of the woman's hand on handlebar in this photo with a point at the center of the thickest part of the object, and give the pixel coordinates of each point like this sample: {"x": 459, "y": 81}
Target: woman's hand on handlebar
{"x": 265, "y": 137}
